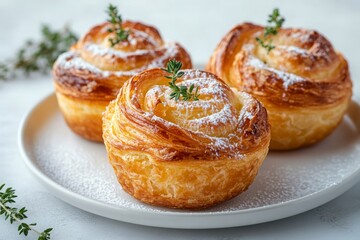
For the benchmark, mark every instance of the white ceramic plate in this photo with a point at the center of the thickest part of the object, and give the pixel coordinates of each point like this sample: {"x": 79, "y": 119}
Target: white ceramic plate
{"x": 77, "y": 171}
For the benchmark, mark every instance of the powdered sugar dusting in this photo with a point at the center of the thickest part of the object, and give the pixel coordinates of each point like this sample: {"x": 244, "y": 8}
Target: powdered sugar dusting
{"x": 248, "y": 47}
{"x": 100, "y": 50}
{"x": 103, "y": 51}
{"x": 171, "y": 51}
{"x": 302, "y": 36}
{"x": 255, "y": 62}
{"x": 287, "y": 78}
{"x": 197, "y": 74}
{"x": 213, "y": 116}
{"x": 293, "y": 49}
{"x": 142, "y": 35}
{"x": 72, "y": 60}
{"x": 225, "y": 117}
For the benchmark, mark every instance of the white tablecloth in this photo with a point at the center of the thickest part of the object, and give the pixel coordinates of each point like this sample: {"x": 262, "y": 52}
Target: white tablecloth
{"x": 198, "y": 26}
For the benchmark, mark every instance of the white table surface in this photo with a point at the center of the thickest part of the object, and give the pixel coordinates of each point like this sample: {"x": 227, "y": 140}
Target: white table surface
{"x": 198, "y": 26}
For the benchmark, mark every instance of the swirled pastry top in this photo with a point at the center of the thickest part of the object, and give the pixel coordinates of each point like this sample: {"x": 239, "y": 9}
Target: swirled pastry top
{"x": 302, "y": 70}
{"x": 223, "y": 124}
{"x": 94, "y": 69}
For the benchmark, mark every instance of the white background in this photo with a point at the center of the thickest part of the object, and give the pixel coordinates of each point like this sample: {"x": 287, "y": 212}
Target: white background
{"x": 198, "y": 25}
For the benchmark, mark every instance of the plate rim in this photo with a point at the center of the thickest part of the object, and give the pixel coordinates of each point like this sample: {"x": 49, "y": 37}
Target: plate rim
{"x": 98, "y": 207}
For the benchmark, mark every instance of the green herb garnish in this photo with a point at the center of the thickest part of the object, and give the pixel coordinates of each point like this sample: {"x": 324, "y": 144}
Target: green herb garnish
{"x": 116, "y": 26}
{"x": 275, "y": 22}
{"x": 39, "y": 56}
{"x": 173, "y": 67}
{"x": 14, "y": 214}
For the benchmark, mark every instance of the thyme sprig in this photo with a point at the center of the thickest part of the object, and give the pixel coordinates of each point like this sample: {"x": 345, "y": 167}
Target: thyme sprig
{"x": 116, "y": 26}
{"x": 173, "y": 67}
{"x": 275, "y": 22}
{"x": 14, "y": 214}
{"x": 39, "y": 56}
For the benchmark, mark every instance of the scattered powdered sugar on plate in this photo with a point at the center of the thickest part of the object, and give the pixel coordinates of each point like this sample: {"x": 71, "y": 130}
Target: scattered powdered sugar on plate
{"x": 82, "y": 167}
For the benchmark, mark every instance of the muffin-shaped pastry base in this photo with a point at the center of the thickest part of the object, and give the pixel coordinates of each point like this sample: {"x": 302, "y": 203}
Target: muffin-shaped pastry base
{"x": 83, "y": 116}
{"x": 293, "y": 128}
{"x": 303, "y": 82}
{"x": 184, "y": 154}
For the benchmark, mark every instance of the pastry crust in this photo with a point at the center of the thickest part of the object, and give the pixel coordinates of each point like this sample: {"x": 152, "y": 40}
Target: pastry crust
{"x": 90, "y": 75}
{"x": 184, "y": 154}
{"x": 304, "y": 84}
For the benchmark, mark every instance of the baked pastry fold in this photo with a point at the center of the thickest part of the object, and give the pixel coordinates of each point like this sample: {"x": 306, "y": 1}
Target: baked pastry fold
{"x": 303, "y": 82}
{"x": 184, "y": 154}
{"x": 90, "y": 75}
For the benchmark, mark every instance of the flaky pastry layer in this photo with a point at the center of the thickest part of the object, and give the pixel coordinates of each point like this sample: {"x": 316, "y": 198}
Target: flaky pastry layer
{"x": 184, "y": 154}
{"x": 301, "y": 77}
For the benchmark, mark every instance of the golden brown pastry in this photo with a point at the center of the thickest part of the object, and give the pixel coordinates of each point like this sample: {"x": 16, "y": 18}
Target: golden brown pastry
{"x": 89, "y": 76}
{"x": 303, "y": 83}
{"x": 184, "y": 154}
